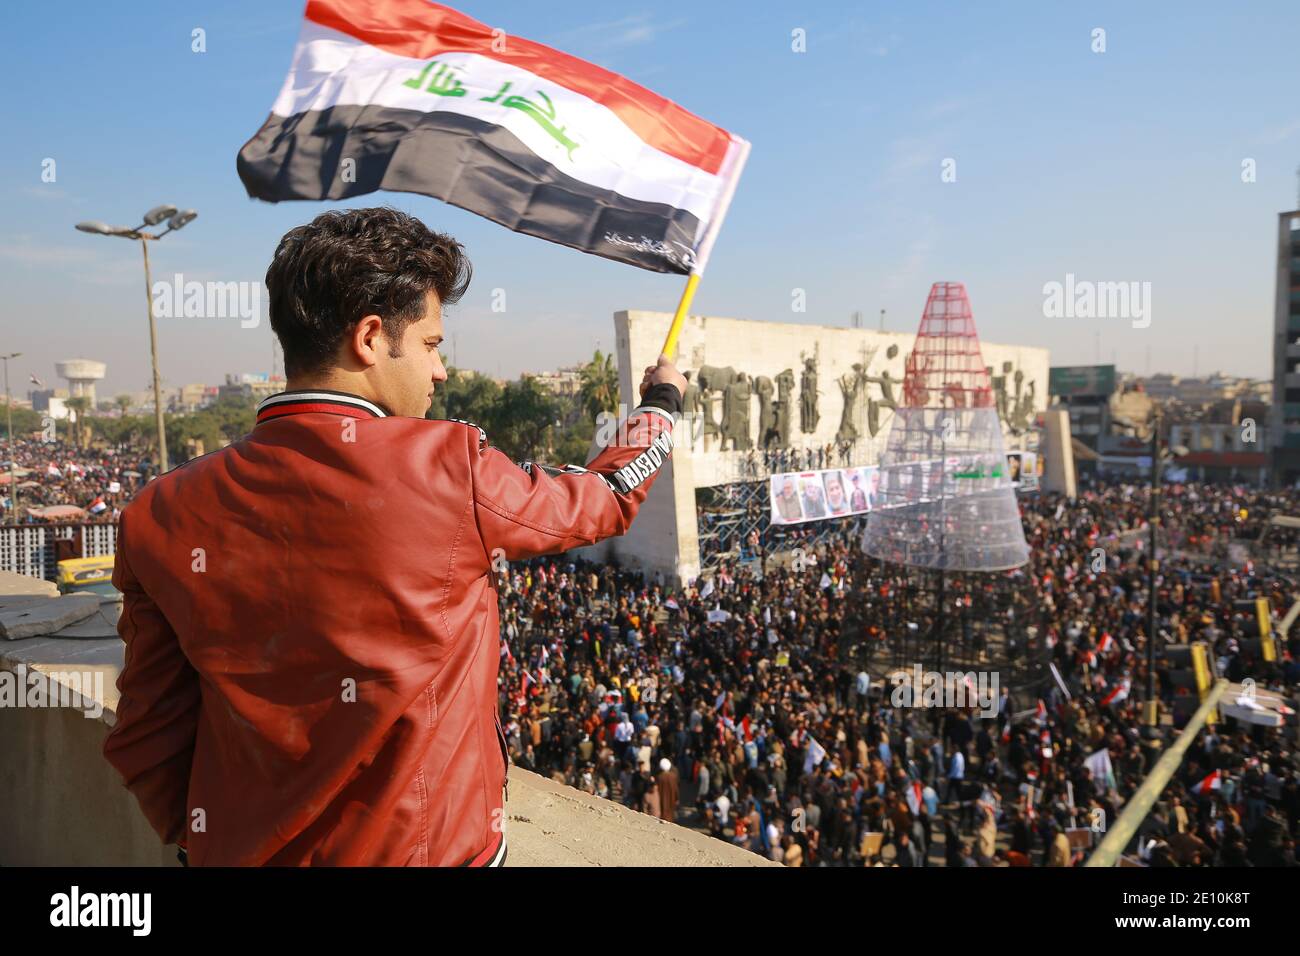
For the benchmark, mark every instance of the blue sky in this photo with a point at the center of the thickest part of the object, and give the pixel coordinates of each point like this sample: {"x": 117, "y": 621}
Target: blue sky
{"x": 1115, "y": 166}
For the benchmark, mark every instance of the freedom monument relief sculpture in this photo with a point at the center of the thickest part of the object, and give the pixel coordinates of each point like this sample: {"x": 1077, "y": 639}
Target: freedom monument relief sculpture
{"x": 741, "y": 402}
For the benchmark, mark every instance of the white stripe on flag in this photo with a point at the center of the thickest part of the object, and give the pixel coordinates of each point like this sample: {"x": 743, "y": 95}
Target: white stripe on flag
{"x": 331, "y": 68}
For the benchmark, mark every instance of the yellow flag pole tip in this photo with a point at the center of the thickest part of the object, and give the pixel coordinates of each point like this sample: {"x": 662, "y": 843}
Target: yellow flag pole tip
{"x": 683, "y": 307}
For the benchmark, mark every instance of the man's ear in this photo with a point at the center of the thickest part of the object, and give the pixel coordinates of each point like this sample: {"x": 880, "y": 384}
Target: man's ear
{"x": 367, "y": 340}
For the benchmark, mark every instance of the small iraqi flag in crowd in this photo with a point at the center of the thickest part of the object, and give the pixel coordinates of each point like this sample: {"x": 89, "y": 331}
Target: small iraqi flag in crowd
{"x": 915, "y": 797}
{"x": 411, "y": 96}
{"x": 1117, "y": 693}
{"x": 98, "y": 505}
{"x": 1209, "y": 784}
{"x": 814, "y": 755}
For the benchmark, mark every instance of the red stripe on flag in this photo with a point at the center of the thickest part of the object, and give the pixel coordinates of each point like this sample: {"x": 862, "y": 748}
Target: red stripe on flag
{"x": 421, "y": 30}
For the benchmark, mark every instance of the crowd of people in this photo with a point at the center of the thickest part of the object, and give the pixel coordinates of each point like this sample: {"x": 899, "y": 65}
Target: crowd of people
{"x": 54, "y": 477}
{"x": 759, "y": 707}
{"x": 743, "y": 707}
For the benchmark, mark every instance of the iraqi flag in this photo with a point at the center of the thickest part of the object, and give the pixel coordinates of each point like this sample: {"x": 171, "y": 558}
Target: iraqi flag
{"x": 915, "y": 795}
{"x": 98, "y": 505}
{"x": 1209, "y": 784}
{"x": 1118, "y": 693}
{"x": 814, "y": 756}
{"x": 411, "y": 96}
{"x": 1103, "y": 773}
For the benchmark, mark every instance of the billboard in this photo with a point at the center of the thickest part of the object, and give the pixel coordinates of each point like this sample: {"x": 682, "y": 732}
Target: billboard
{"x": 799, "y": 496}
{"x": 1081, "y": 380}
{"x": 830, "y": 493}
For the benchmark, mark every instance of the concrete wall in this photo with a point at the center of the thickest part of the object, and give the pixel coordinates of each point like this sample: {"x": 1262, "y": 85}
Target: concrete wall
{"x": 61, "y": 803}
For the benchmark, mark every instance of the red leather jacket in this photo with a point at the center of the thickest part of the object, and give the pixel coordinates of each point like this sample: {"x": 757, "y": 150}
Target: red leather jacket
{"x": 312, "y": 641}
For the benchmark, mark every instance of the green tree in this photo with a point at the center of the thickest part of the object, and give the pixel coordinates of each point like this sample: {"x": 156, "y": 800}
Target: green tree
{"x": 226, "y": 420}
{"x": 127, "y": 430}
{"x": 469, "y": 396}
{"x": 81, "y": 405}
{"x": 598, "y": 391}
{"x": 526, "y": 423}
{"x": 520, "y": 419}
{"x": 573, "y": 442}
{"x": 26, "y": 421}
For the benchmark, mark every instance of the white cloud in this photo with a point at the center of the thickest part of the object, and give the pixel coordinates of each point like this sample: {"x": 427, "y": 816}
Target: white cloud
{"x": 631, "y": 30}
{"x": 46, "y": 192}
{"x": 1278, "y": 134}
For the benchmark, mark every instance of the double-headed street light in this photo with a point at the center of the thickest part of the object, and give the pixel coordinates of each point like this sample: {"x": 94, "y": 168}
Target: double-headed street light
{"x": 175, "y": 219}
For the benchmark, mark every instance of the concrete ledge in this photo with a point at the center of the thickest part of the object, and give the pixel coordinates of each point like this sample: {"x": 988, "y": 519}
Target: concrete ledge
{"x": 62, "y": 804}
{"x": 549, "y": 824}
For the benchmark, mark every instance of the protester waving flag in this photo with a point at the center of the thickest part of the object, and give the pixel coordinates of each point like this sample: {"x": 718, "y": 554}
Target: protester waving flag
{"x": 411, "y": 96}
{"x": 814, "y": 755}
{"x": 1209, "y": 784}
{"x": 1118, "y": 693}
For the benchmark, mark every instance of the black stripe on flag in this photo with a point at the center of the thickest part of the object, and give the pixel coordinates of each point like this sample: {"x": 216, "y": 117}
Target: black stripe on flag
{"x": 478, "y": 166}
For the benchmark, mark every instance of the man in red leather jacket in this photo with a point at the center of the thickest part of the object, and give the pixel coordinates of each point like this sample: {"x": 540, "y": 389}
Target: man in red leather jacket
{"x": 310, "y": 614}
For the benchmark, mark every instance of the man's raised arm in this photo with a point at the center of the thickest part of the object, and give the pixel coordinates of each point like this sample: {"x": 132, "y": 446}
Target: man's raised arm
{"x": 528, "y": 510}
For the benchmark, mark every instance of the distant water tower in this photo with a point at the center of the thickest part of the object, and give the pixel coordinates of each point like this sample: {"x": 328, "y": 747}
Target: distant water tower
{"x": 82, "y": 374}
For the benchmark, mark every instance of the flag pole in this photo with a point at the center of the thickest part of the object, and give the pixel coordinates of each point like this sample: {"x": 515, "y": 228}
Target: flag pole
{"x": 736, "y": 158}
{"x": 683, "y": 307}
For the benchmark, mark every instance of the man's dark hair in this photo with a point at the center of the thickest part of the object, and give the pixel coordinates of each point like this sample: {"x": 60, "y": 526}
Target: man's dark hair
{"x": 347, "y": 264}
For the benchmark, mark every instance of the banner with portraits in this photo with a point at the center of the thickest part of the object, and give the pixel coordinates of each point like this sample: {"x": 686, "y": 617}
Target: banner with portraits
{"x": 800, "y": 496}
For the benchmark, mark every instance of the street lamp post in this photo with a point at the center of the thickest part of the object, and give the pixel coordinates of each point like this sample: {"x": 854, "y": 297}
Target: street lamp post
{"x": 9, "y": 414}
{"x": 175, "y": 220}
{"x": 1151, "y": 708}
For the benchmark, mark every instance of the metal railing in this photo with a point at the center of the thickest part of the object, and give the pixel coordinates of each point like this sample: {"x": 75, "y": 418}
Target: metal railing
{"x": 35, "y": 550}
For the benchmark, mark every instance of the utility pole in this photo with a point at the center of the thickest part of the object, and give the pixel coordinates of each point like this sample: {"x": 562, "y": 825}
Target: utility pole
{"x": 9, "y": 414}
{"x": 153, "y": 358}
{"x": 1151, "y": 709}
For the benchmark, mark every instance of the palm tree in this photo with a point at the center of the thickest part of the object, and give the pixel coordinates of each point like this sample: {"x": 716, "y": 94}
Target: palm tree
{"x": 599, "y": 389}
{"x": 78, "y": 404}
{"x": 123, "y": 403}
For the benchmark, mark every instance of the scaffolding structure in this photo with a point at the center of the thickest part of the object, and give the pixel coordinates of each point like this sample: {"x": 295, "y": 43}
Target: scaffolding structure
{"x": 735, "y": 528}
{"x": 946, "y": 499}
{"x": 946, "y": 524}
